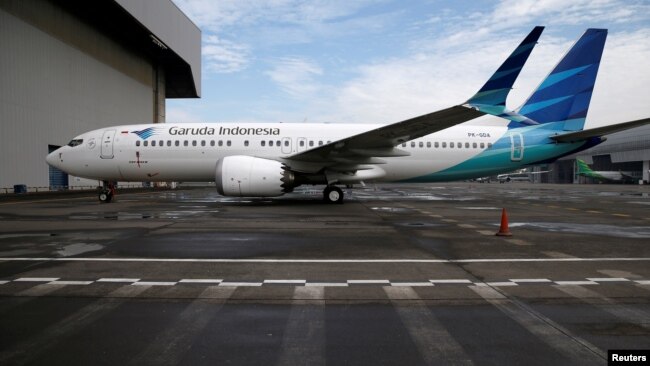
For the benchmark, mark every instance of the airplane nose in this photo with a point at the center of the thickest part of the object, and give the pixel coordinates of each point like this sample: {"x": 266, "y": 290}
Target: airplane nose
{"x": 53, "y": 159}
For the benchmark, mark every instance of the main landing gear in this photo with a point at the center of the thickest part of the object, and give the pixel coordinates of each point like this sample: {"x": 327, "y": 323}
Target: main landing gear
{"x": 333, "y": 194}
{"x": 107, "y": 192}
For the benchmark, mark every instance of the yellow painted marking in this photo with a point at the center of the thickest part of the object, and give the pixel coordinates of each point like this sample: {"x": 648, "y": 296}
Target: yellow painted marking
{"x": 594, "y": 211}
{"x": 449, "y": 220}
{"x": 550, "y": 206}
{"x": 620, "y": 215}
{"x": 572, "y": 209}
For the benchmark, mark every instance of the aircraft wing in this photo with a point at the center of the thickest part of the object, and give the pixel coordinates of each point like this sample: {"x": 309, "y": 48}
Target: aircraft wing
{"x": 381, "y": 141}
{"x": 599, "y": 131}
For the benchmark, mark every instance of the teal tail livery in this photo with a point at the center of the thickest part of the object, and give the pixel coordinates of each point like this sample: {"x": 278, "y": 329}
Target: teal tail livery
{"x": 271, "y": 159}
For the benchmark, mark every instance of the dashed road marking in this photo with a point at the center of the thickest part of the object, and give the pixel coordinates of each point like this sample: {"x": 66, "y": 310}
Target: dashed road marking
{"x": 621, "y": 215}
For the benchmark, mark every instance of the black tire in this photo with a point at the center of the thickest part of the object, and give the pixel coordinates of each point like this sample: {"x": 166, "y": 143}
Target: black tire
{"x": 333, "y": 194}
{"x": 105, "y": 196}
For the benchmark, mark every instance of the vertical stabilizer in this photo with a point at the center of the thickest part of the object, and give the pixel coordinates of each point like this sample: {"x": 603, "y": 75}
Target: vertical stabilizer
{"x": 565, "y": 94}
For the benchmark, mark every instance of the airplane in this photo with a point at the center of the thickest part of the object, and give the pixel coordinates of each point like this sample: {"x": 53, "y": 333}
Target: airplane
{"x": 604, "y": 175}
{"x": 518, "y": 176}
{"x": 271, "y": 159}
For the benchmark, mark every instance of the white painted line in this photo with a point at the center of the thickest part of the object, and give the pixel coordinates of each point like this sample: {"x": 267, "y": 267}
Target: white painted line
{"x": 411, "y": 284}
{"x": 575, "y": 283}
{"x": 530, "y": 280}
{"x": 36, "y": 279}
{"x": 71, "y": 282}
{"x": 643, "y": 282}
{"x": 217, "y": 260}
{"x": 240, "y": 284}
{"x": 609, "y": 279}
{"x": 285, "y": 281}
{"x": 501, "y": 284}
{"x": 362, "y": 282}
{"x": 327, "y": 284}
{"x": 153, "y": 283}
{"x": 119, "y": 280}
{"x": 200, "y": 280}
{"x": 3, "y": 282}
{"x": 480, "y": 284}
{"x": 450, "y": 281}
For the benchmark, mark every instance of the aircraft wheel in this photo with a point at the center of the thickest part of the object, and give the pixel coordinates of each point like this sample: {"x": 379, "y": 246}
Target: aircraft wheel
{"x": 105, "y": 196}
{"x": 333, "y": 194}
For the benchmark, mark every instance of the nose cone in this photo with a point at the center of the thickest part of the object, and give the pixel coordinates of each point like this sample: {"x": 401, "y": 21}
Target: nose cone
{"x": 54, "y": 158}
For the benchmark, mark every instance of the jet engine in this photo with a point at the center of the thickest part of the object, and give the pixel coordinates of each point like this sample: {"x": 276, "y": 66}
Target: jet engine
{"x": 248, "y": 176}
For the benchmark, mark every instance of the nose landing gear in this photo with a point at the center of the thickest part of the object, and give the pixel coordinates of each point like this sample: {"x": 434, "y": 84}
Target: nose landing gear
{"x": 107, "y": 192}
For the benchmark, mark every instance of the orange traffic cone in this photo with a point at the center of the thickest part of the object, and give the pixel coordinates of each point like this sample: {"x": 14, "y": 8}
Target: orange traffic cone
{"x": 503, "y": 230}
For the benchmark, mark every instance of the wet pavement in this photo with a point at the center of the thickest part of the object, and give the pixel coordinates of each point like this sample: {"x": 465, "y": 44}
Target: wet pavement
{"x": 399, "y": 274}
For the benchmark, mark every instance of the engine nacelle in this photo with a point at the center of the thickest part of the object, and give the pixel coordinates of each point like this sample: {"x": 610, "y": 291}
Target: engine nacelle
{"x": 247, "y": 176}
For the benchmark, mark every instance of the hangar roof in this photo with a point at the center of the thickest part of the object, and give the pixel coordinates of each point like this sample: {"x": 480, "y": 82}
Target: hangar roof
{"x": 156, "y": 28}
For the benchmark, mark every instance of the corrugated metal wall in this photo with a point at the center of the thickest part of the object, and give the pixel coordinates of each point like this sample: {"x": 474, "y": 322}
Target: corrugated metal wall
{"x": 52, "y": 89}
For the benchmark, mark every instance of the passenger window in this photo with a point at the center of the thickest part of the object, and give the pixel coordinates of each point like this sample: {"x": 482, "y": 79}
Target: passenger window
{"x": 202, "y": 142}
{"x": 421, "y": 144}
{"x": 220, "y": 143}
{"x": 302, "y": 143}
{"x": 403, "y": 144}
{"x": 451, "y": 144}
{"x": 311, "y": 143}
{"x": 186, "y": 143}
{"x": 467, "y": 145}
{"x": 146, "y": 143}
{"x": 482, "y": 145}
{"x": 428, "y": 144}
{"x": 412, "y": 143}
{"x": 460, "y": 145}
{"x": 286, "y": 143}
{"x": 489, "y": 145}
{"x": 444, "y": 144}
{"x": 436, "y": 144}
{"x": 161, "y": 143}
{"x": 474, "y": 145}
{"x": 177, "y": 143}
{"x": 137, "y": 143}
{"x": 193, "y": 142}
{"x": 228, "y": 143}
{"x": 320, "y": 143}
{"x": 246, "y": 143}
{"x": 169, "y": 143}
{"x": 211, "y": 142}
{"x": 271, "y": 143}
{"x": 277, "y": 143}
{"x": 153, "y": 143}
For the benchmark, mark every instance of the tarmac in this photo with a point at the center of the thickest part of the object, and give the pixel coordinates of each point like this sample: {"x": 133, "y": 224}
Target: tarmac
{"x": 397, "y": 275}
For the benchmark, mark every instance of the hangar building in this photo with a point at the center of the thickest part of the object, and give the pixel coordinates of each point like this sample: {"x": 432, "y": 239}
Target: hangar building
{"x": 69, "y": 66}
{"x": 622, "y": 151}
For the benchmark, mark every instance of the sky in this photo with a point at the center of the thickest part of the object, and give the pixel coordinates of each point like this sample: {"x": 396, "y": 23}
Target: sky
{"x": 383, "y": 61}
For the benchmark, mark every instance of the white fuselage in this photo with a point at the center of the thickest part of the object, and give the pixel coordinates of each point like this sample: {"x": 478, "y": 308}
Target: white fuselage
{"x": 190, "y": 151}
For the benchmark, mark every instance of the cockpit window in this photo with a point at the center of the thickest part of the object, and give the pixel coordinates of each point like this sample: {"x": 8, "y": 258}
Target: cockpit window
{"x": 75, "y": 142}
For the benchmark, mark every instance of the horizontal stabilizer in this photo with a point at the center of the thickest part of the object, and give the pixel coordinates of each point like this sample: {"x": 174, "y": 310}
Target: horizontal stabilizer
{"x": 599, "y": 131}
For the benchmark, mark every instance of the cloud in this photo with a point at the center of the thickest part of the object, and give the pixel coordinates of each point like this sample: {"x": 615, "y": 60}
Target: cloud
{"x": 296, "y": 76}
{"x": 222, "y": 56}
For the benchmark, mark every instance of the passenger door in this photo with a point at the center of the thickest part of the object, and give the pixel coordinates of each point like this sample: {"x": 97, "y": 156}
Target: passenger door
{"x": 107, "y": 144}
{"x": 517, "y": 143}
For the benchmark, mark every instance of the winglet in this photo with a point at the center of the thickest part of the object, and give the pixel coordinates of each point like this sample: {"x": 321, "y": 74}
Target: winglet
{"x": 491, "y": 98}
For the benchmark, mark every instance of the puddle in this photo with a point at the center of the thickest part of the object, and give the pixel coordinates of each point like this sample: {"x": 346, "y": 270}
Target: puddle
{"x": 392, "y": 209}
{"x": 7, "y": 236}
{"x": 123, "y": 216}
{"x": 418, "y": 224}
{"x": 75, "y": 249}
{"x": 634, "y": 232}
{"x": 479, "y": 208}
